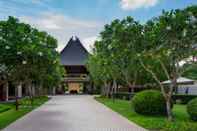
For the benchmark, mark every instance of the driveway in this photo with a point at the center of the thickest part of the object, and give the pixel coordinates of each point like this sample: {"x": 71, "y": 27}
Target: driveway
{"x": 73, "y": 113}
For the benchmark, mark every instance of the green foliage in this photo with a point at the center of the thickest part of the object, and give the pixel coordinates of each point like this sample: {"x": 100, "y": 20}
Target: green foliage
{"x": 149, "y": 102}
{"x": 184, "y": 99}
{"x": 169, "y": 39}
{"x": 26, "y": 102}
{"x": 115, "y": 54}
{"x": 29, "y": 55}
{"x": 190, "y": 71}
{"x": 192, "y": 109}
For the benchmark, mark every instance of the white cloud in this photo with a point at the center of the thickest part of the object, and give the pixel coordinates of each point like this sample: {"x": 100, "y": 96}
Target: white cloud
{"x": 63, "y": 27}
{"x": 89, "y": 42}
{"x": 135, "y": 4}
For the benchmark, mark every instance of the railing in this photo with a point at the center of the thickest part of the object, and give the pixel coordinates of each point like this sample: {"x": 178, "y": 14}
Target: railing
{"x": 76, "y": 75}
{"x": 76, "y": 78}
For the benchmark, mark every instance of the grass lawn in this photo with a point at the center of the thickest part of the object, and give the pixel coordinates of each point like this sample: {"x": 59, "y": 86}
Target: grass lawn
{"x": 10, "y": 115}
{"x": 181, "y": 122}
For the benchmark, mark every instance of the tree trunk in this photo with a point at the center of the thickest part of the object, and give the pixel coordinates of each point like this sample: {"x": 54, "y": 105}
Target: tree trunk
{"x": 114, "y": 89}
{"x": 168, "y": 109}
{"x": 174, "y": 83}
{"x": 30, "y": 94}
{"x": 167, "y": 96}
{"x": 131, "y": 87}
{"x": 104, "y": 89}
{"x": 16, "y": 98}
{"x": 108, "y": 90}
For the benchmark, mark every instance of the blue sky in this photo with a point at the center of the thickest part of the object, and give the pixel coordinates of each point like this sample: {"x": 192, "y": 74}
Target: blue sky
{"x": 84, "y": 18}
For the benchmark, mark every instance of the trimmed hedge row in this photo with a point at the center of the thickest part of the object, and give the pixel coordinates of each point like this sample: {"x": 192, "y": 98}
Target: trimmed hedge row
{"x": 184, "y": 99}
{"x": 124, "y": 95}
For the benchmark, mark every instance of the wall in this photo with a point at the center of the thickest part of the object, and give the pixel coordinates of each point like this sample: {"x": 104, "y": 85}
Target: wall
{"x": 192, "y": 89}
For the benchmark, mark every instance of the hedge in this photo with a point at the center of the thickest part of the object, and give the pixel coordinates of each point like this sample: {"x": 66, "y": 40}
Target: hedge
{"x": 184, "y": 99}
{"x": 123, "y": 95}
{"x": 192, "y": 109}
{"x": 149, "y": 102}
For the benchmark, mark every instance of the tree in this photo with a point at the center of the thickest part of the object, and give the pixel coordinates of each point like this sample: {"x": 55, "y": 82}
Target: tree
{"x": 27, "y": 53}
{"x": 190, "y": 70}
{"x": 115, "y": 54}
{"x": 169, "y": 39}
{"x": 98, "y": 69}
{"x": 126, "y": 43}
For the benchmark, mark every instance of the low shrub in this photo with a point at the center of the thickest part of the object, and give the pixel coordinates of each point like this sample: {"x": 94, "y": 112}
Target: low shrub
{"x": 192, "y": 109}
{"x": 149, "y": 102}
{"x": 184, "y": 99}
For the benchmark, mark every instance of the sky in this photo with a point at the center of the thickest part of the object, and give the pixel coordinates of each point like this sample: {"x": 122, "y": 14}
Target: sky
{"x": 83, "y": 18}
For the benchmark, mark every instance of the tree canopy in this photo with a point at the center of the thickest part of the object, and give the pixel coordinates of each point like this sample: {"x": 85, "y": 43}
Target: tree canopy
{"x": 28, "y": 54}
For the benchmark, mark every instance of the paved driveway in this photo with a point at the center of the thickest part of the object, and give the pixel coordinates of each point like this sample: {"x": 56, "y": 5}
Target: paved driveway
{"x": 73, "y": 113}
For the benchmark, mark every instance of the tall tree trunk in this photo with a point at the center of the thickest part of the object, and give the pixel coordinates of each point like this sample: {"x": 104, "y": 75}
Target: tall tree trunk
{"x": 167, "y": 95}
{"x": 131, "y": 87}
{"x": 168, "y": 109}
{"x": 114, "y": 89}
{"x": 30, "y": 93}
{"x": 17, "y": 87}
{"x": 16, "y": 98}
{"x": 104, "y": 89}
{"x": 32, "y": 96}
{"x": 108, "y": 88}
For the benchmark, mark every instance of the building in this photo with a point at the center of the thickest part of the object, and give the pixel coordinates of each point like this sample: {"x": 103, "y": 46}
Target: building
{"x": 3, "y": 91}
{"x": 185, "y": 85}
{"x": 7, "y": 91}
{"x": 73, "y": 57}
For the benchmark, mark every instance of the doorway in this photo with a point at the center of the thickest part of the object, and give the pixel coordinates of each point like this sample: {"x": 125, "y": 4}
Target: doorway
{"x": 2, "y": 93}
{"x": 74, "y": 88}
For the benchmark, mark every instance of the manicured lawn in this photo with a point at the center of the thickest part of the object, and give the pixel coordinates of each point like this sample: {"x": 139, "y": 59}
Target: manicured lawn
{"x": 10, "y": 115}
{"x": 181, "y": 122}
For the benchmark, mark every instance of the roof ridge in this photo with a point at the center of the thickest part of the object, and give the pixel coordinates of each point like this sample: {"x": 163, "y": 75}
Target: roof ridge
{"x": 74, "y": 51}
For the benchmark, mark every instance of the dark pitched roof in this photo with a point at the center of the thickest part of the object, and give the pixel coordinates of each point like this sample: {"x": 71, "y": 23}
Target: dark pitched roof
{"x": 74, "y": 53}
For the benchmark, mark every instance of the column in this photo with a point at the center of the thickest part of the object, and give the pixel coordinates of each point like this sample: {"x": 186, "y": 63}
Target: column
{"x": 54, "y": 91}
{"x": 33, "y": 90}
{"x": 7, "y": 91}
{"x": 19, "y": 90}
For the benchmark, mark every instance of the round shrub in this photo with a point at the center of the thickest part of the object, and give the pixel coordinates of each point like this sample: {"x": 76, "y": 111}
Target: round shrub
{"x": 192, "y": 109}
{"x": 149, "y": 102}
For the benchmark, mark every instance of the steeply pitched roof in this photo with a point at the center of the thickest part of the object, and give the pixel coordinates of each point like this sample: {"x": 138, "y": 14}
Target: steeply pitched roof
{"x": 74, "y": 53}
{"x": 180, "y": 80}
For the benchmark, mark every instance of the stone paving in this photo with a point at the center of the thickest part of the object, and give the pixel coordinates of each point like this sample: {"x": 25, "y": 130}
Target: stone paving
{"x": 73, "y": 113}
